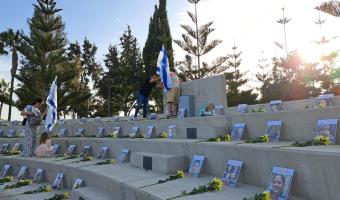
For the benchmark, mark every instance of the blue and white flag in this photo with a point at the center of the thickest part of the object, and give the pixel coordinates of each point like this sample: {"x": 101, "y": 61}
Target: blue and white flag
{"x": 163, "y": 69}
{"x": 52, "y": 104}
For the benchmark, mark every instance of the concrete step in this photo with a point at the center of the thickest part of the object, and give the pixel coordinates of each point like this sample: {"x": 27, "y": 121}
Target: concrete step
{"x": 91, "y": 193}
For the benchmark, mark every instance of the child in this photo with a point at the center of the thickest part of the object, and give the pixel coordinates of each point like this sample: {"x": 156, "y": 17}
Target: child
{"x": 45, "y": 148}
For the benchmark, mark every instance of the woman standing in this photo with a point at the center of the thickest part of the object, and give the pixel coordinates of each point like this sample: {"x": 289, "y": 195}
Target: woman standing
{"x": 33, "y": 113}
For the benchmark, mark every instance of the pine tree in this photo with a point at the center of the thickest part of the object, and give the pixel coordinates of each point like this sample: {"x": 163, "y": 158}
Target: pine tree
{"x": 91, "y": 69}
{"x": 45, "y": 57}
{"x": 235, "y": 80}
{"x": 263, "y": 76}
{"x": 284, "y": 21}
{"x": 159, "y": 35}
{"x": 4, "y": 94}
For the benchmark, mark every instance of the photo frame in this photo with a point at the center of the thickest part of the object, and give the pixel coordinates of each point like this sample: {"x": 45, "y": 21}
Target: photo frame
{"x": 325, "y": 100}
{"x": 55, "y": 149}
{"x": 219, "y": 110}
{"x": 232, "y": 172}
{"x": 116, "y": 131}
{"x": 280, "y": 182}
{"x": 134, "y": 132}
{"x": 5, "y": 170}
{"x": 71, "y": 149}
{"x": 196, "y": 165}
{"x": 124, "y": 156}
{"x": 152, "y": 116}
{"x": 82, "y": 120}
{"x": 100, "y": 132}
{"x": 16, "y": 147}
{"x": 62, "y": 132}
{"x": 4, "y": 147}
{"x": 77, "y": 184}
{"x": 242, "y": 108}
{"x": 172, "y": 131}
{"x": 86, "y": 151}
{"x": 38, "y": 176}
{"x": 275, "y": 106}
{"x": 150, "y": 130}
{"x": 181, "y": 113}
{"x": 11, "y": 132}
{"x": 115, "y": 118}
{"x": 97, "y": 119}
{"x": 80, "y": 132}
{"x": 327, "y": 128}
{"x": 58, "y": 181}
{"x": 103, "y": 152}
{"x": 22, "y": 172}
{"x": 273, "y": 130}
{"x": 237, "y": 131}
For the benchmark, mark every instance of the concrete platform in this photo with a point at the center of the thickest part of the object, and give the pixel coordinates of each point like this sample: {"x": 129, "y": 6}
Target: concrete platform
{"x": 91, "y": 193}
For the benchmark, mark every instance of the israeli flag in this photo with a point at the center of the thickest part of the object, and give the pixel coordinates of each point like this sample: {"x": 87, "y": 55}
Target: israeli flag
{"x": 163, "y": 69}
{"x": 51, "y": 102}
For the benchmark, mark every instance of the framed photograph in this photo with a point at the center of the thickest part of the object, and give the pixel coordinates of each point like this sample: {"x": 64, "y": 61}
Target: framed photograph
{"x": 172, "y": 131}
{"x": 242, "y": 108}
{"x": 11, "y": 132}
{"x": 80, "y": 132}
{"x": 38, "y": 176}
{"x": 124, "y": 156}
{"x": 134, "y": 132}
{"x": 150, "y": 131}
{"x": 22, "y": 172}
{"x": 61, "y": 121}
{"x": 219, "y": 110}
{"x": 55, "y": 149}
{"x": 77, "y": 184}
{"x": 62, "y": 132}
{"x": 100, "y": 132}
{"x": 275, "y": 106}
{"x": 273, "y": 130}
{"x": 16, "y": 147}
{"x": 327, "y": 128}
{"x": 82, "y": 120}
{"x": 71, "y": 149}
{"x": 4, "y": 147}
{"x": 116, "y": 131}
{"x": 102, "y": 153}
{"x": 279, "y": 183}
{"x": 86, "y": 151}
{"x": 237, "y": 131}
{"x": 325, "y": 100}
{"x": 97, "y": 119}
{"x": 5, "y": 171}
{"x": 232, "y": 172}
{"x": 196, "y": 165}
{"x": 58, "y": 182}
{"x": 181, "y": 113}
{"x": 115, "y": 118}
{"x": 152, "y": 116}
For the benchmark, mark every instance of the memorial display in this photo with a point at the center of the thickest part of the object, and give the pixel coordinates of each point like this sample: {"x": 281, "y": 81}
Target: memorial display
{"x": 242, "y": 108}
{"x": 102, "y": 153}
{"x": 273, "y": 130}
{"x": 38, "y": 176}
{"x": 16, "y": 147}
{"x": 124, "y": 156}
{"x": 11, "y": 133}
{"x": 71, "y": 150}
{"x": 279, "y": 183}
{"x": 80, "y": 132}
{"x": 196, "y": 165}
{"x": 86, "y": 151}
{"x": 5, "y": 170}
{"x": 327, "y": 128}
{"x": 232, "y": 172}
{"x": 275, "y": 106}
{"x": 172, "y": 131}
{"x": 100, "y": 132}
{"x": 55, "y": 149}
{"x": 134, "y": 132}
{"x": 237, "y": 131}
{"x": 77, "y": 184}
{"x": 150, "y": 131}
{"x": 58, "y": 181}
{"x": 4, "y": 147}
{"x": 116, "y": 132}
{"x": 62, "y": 132}
{"x": 22, "y": 172}
{"x": 325, "y": 100}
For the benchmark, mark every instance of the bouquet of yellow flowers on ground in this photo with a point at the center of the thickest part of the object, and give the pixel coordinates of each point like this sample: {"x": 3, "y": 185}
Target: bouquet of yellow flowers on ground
{"x": 6, "y": 179}
{"x": 66, "y": 195}
{"x": 107, "y": 162}
{"x": 221, "y": 138}
{"x": 261, "y": 139}
{"x": 86, "y": 158}
{"x": 318, "y": 140}
{"x": 10, "y": 153}
{"x": 179, "y": 174}
{"x": 163, "y": 135}
{"x": 46, "y": 188}
{"x": 262, "y": 196}
{"x": 19, "y": 184}
{"x": 214, "y": 185}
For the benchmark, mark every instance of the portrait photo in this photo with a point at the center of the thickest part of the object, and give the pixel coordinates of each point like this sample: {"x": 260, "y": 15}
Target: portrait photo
{"x": 279, "y": 183}
{"x": 196, "y": 165}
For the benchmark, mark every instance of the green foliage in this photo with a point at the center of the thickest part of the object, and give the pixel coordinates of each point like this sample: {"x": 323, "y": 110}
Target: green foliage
{"x": 18, "y": 184}
{"x": 45, "y": 188}
{"x": 125, "y": 74}
{"x": 235, "y": 80}
{"x": 6, "y": 180}
{"x": 44, "y": 57}
{"x": 195, "y": 43}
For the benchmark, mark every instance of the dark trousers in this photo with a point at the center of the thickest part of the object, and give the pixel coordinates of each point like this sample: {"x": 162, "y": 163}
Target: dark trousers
{"x": 142, "y": 101}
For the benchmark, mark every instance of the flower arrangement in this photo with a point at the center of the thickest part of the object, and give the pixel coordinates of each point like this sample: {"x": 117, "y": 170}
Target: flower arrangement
{"x": 86, "y": 158}
{"x": 258, "y": 110}
{"x": 66, "y": 195}
{"x": 215, "y": 184}
{"x": 262, "y": 196}
{"x": 107, "y": 162}
{"x": 179, "y": 174}
{"x": 19, "y": 184}
{"x": 163, "y": 135}
{"x": 68, "y": 157}
{"x": 10, "y": 153}
{"x": 220, "y": 138}
{"x": 46, "y": 188}
{"x": 319, "y": 140}
{"x": 6, "y": 179}
{"x": 261, "y": 139}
